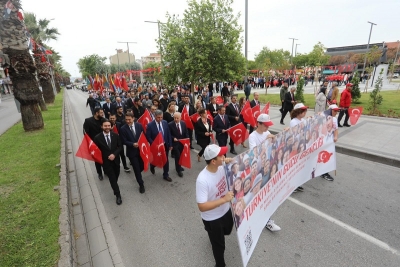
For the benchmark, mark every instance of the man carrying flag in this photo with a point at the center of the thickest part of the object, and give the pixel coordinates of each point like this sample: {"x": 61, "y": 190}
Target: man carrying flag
{"x": 92, "y": 127}
{"x": 116, "y": 128}
{"x": 130, "y": 134}
{"x": 154, "y": 129}
{"x": 233, "y": 112}
{"x": 187, "y": 108}
{"x": 178, "y": 131}
{"x": 254, "y": 103}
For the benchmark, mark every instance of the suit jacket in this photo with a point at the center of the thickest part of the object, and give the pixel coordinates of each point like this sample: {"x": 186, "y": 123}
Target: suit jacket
{"x": 129, "y": 139}
{"x": 191, "y": 109}
{"x": 115, "y": 149}
{"x": 164, "y": 103}
{"x": 287, "y": 105}
{"x": 231, "y": 113}
{"x": 176, "y": 134}
{"x": 211, "y": 108}
{"x": 152, "y": 132}
{"x": 201, "y": 130}
{"x": 115, "y": 105}
{"x": 168, "y": 117}
{"x": 92, "y": 127}
{"x": 253, "y": 103}
{"x": 219, "y": 125}
{"x": 137, "y": 111}
{"x": 107, "y": 109}
{"x": 129, "y": 103}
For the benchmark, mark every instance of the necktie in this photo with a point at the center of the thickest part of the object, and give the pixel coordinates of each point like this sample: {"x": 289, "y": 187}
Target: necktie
{"x": 223, "y": 120}
{"x": 108, "y": 141}
{"x": 133, "y": 131}
{"x": 237, "y": 111}
{"x": 108, "y": 105}
{"x": 160, "y": 129}
{"x": 179, "y": 128}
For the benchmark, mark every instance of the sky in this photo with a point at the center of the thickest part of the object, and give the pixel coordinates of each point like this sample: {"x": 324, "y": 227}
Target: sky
{"x": 96, "y": 27}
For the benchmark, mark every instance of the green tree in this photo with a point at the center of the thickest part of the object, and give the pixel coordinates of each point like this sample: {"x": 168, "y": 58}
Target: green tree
{"x": 375, "y": 98}
{"x": 301, "y": 60}
{"x": 317, "y": 56}
{"x": 41, "y": 33}
{"x": 300, "y": 90}
{"x": 22, "y": 69}
{"x": 90, "y": 65}
{"x": 204, "y": 43}
{"x": 277, "y": 59}
{"x": 355, "y": 92}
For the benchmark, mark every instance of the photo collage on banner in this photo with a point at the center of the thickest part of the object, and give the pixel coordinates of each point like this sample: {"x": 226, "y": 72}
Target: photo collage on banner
{"x": 263, "y": 177}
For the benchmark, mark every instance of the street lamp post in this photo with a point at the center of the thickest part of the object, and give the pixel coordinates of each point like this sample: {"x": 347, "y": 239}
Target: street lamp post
{"x": 117, "y": 58}
{"x": 245, "y": 36}
{"x": 369, "y": 38}
{"x": 291, "y": 57}
{"x": 159, "y": 39}
{"x": 129, "y": 56}
{"x": 295, "y": 51}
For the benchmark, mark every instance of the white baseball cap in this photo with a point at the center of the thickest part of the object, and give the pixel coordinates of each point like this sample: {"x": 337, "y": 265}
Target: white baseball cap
{"x": 300, "y": 106}
{"x": 213, "y": 151}
{"x": 334, "y": 107}
{"x": 265, "y": 119}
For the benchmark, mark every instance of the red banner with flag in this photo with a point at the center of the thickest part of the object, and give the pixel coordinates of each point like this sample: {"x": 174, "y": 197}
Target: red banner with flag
{"x": 145, "y": 119}
{"x": 145, "y": 152}
{"x": 157, "y": 148}
{"x": 184, "y": 160}
{"x": 210, "y": 117}
{"x": 247, "y": 114}
{"x": 256, "y": 112}
{"x": 266, "y": 109}
{"x": 355, "y": 114}
{"x": 89, "y": 150}
{"x": 238, "y": 133}
{"x": 186, "y": 119}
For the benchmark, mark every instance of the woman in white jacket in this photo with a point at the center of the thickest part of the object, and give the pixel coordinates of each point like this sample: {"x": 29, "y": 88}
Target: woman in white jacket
{"x": 320, "y": 101}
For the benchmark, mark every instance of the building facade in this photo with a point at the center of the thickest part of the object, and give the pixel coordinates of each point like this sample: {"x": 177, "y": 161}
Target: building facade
{"x": 122, "y": 57}
{"x": 153, "y": 57}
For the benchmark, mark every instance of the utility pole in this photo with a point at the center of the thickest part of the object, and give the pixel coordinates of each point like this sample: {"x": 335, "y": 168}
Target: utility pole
{"x": 159, "y": 39}
{"x": 369, "y": 38}
{"x": 117, "y": 58}
{"x": 295, "y": 51}
{"x": 246, "y": 22}
{"x": 291, "y": 57}
{"x": 129, "y": 55}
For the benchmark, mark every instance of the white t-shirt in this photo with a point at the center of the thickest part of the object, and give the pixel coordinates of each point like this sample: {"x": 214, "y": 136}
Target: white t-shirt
{"x": 209, "y": 187}
{"x": 256, "y": 139}
{"x": 295, "y": 121}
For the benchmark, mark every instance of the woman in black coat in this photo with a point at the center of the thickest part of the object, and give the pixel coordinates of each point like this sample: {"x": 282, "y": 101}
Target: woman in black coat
{"x": 203, "y": 131}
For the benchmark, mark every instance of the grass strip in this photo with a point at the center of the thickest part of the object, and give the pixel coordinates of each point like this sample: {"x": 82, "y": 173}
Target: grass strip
{"x": 29, "y": 207}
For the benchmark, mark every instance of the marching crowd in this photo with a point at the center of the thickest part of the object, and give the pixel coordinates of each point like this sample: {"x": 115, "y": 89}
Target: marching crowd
{"x": 117, "y": 123}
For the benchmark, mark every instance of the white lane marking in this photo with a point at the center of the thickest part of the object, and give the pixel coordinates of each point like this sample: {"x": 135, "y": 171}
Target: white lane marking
{"x": 355, "y": 231}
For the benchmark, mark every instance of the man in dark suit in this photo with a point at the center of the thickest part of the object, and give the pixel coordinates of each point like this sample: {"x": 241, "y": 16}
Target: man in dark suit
{"x": 233, "y": 112}
{"x": 107, "y": 107}
{"x": 153, "y": 128}
{"x": 110, "y": 146}
{"x": 178, "y": 131}
{"x": 129, "y": 102}
{"x": 164, "y": 101}
{"x": 220, "y": 125}
{"x": 213, "y": 107}
{"x": 92, "y": 126}
{"x": 118, "y": 103}
{"x": 225, "y": 93}
{"x": 186, "y": 104}
{"x": 137, "y": 108}
{"x": 254, "y": 103}
{"x": 130, "y": 134}
{"x": 288, "y": 103}
{"x": 116, "y": 128}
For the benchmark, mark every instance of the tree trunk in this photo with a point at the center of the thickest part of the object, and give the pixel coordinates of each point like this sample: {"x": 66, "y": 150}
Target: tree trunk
{"x": 58, "y": 87}
{"x": 48, "y": 93}
{"x": 31, "y": 117}
{"x": 42, "y": 105}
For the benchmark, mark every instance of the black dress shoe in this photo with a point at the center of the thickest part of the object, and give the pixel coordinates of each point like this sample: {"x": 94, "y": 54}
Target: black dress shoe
{"x": 233, "y": 152}
{"x": 141, "y": 189}
{"x": 153, "y": 171}
{"x": 346, "y": 125}
{"x": 180, "y": 174}
{"x": 100, "y": 177}
{"x": 119, "y": 200}
{"x": 282, "y": 123}
{"x": 339, "y": 125}
{"x": 168, "y": 179}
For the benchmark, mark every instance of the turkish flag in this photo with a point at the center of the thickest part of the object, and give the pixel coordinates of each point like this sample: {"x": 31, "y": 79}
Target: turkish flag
{"x": 247, "y": 114}
{"x": 210, "y": 117}
{"x": 195, "y": 117}
{"x": 212, "y": 137}
{"x": 256, "y": 111}
{"x": 157, "y": 148}
{"x": 186, "y": 119}
{"x": 145, "y": 119}
{"x": 89, "y": 150}
{"x": 124, "y": 85}
{"x": 184, "y": 160}
{"x": 355, "y": 114}
{"x": 238, "y": 133}
{"x": 266, "y": 109}
{"x": 145, "y": 152}
{"x": 115, "y": 129}
{"x": 219, "y": 100}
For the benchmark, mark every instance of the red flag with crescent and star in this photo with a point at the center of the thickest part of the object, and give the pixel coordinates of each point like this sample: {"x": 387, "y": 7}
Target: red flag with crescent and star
{"x": 195, "y": 117}
{"x": 144, "y": 149}
{"x": 219, "y": 100}
{"x": 355, "y": 114}
{"x": 210, "y": 117}
{"x": 266, "y": 109}
{"x": 159, "y": 156}
{"x": 89, "y": 150}
{"x": 184, "y": 160}
{"x": 145, "y": 119}
{"x": 324, "y": 156}
{"x": 256, "y": 111}
{"x": 186, "y": 119}
{"x": 238, "y": 133}
{"x": 247, "y": 114}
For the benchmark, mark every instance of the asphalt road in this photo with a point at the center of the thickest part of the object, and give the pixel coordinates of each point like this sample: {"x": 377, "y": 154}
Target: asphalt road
{"x": 352, "y": 221}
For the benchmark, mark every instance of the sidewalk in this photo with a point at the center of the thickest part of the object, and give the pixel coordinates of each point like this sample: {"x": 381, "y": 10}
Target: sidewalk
{"x": 372, "y": 138}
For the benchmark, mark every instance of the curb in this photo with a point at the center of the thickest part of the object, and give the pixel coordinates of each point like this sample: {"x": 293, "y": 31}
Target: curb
{"x": 95, "y": 243}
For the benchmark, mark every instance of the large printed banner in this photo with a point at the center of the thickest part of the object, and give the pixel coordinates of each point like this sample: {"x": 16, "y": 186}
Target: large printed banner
{"x": 264, "y": 177}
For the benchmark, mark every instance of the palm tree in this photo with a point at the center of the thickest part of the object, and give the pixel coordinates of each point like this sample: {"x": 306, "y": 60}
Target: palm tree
{"x": 22, "y": 69}
{"x": 41, "y": 33}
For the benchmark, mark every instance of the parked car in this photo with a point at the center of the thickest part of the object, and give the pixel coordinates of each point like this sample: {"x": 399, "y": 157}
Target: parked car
{"x": 69, "y": 86}
{"x": 396, "y": 76}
